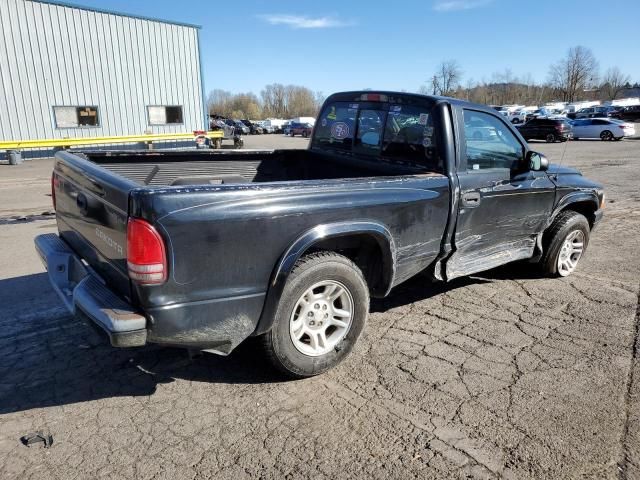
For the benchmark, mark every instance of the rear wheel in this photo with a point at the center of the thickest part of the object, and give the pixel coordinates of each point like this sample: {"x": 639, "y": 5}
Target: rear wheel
{"x": 606, "y": 135}
{"x": 550, "y": 138}
{"x": 564, "y": 243}
{"x": 304, "y": 134}
{"x": 321, "y": 314}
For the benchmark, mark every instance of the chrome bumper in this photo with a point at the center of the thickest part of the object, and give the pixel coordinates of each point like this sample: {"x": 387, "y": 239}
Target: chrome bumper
{"x": 84, "y": 294}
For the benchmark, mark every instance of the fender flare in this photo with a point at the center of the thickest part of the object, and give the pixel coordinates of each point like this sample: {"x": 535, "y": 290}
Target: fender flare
{"x": 311, "y": 237}
{"x": 571, "y": 198}
{"x": 566, "y": 201}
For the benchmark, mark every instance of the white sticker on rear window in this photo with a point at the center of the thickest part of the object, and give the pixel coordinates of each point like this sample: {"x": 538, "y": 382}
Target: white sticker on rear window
{"x": 423, "y": 118}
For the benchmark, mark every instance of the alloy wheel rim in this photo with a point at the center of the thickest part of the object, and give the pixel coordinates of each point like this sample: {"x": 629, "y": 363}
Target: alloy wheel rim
{"x": 321, "y": 318}
{"x": 570, "y": 252}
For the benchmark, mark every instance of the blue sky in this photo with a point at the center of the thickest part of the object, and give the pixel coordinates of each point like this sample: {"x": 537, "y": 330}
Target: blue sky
{"x": 339, "y": 45}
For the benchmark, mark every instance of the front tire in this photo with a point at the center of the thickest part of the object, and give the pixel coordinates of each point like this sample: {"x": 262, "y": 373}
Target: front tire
{"x": 322, "y": 312}
{"x": 565, "y": 242}
{"x": 550, "y": 138}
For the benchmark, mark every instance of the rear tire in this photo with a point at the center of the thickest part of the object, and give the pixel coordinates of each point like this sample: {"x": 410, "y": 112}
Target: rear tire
{"x": 564, "y": 243}
{"x": 606, "y": 135}
{"x": 303, "y": 357}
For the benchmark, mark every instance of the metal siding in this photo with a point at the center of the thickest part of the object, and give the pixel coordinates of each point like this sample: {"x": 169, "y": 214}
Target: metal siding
{"x": 55, "y": 55}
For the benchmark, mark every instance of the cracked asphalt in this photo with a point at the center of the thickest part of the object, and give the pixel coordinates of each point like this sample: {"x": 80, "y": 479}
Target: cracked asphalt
{"x": 501, "y": 375}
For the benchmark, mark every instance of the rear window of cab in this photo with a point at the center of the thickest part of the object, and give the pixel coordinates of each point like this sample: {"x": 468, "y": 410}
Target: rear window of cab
{"x": 387, "y": 130}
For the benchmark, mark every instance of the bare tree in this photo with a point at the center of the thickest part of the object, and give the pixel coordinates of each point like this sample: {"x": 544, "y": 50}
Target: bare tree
{"x": 446, "y": 78}
{"x": 274, "y": 100}
{"x": 613, "y": 83}
{"x": 575, "y": 73}
{"x": 219, "y": 102}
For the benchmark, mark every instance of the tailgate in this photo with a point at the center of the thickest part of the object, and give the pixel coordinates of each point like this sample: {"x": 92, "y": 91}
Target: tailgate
{"x": 92, "y": 213}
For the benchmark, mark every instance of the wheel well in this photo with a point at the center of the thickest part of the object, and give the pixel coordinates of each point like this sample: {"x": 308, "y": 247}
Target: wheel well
{"x": 363, "y": 250}
{"x": 585, "y": 208}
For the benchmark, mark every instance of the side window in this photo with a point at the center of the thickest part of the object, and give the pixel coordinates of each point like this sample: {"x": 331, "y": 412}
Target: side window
{"x": 489, "y": 143}
{"x": 75, "y": 117}
{"x": 600, "y": 122}
{"x": 165, "y": 115}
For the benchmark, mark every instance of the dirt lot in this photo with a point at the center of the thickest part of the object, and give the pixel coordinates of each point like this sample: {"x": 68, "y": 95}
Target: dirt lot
{"x": 500, "y": 375}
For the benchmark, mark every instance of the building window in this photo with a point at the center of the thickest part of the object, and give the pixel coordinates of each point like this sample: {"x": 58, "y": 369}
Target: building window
{"x": 74, "y": 117}
{"x": 165, "y": 115}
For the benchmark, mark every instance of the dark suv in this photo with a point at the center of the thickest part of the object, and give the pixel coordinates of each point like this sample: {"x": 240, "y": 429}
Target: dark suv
{"x": 548, "y": 129}
{"x": 303, "y": 129}
{"x": 628, "y": 114}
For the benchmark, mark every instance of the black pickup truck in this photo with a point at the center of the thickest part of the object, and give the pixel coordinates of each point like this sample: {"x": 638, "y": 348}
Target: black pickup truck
{"x": 203, "y": 249}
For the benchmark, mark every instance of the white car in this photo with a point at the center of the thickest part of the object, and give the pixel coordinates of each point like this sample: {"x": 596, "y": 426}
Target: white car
{"x": 518, "y": 116}
{"x": 602, "y": 128}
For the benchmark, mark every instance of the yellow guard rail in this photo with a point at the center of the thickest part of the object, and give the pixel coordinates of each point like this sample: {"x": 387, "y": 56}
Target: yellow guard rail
{"x": 70, "y": 142}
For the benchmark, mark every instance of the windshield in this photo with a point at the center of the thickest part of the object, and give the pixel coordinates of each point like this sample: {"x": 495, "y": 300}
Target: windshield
{"x": 398, "y": 132}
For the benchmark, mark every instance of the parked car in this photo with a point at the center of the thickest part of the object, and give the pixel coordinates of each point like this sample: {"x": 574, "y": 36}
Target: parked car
{"x": 479, "y": 130}
{"x": 589, "y": 112}
{"x": 602, "y": 128}
{"x": 303, "y": 129}
{"x": 548, "y": 129}
{"x": 285, "y": 127}
{"x": 241, "y": 127}
{"x": 190, "y": 256}
{"x": 539, "y": 113}
{"x": 254, "y": 128}
{"x": 266, "y": 128}
{"x": 629, "y": 114}
{"x": 518, "y": 116}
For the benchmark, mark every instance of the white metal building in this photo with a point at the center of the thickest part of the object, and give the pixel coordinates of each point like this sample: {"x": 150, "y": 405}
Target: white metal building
{"x": 71, "y": 71}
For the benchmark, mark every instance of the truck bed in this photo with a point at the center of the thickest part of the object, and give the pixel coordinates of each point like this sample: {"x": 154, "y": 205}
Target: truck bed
{"x": 191, "y": 167}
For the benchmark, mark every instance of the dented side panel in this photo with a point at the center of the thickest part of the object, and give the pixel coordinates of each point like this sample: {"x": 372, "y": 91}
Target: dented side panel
{"x": 224, "y": 243}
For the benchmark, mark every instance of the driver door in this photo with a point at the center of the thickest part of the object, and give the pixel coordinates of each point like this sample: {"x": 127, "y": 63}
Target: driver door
{"x": 502, "y": 205}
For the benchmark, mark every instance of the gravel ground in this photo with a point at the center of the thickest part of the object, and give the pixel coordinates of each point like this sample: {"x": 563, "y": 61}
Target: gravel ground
{"x": 500, "y": 375}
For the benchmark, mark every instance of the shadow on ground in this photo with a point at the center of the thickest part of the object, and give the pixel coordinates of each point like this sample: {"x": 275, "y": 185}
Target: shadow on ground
{"x": 52, "y": 359}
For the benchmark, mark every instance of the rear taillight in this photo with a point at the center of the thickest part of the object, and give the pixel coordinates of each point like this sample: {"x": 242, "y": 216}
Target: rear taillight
{"x": 146, "y": 255}
{"x": 54, "y": 184}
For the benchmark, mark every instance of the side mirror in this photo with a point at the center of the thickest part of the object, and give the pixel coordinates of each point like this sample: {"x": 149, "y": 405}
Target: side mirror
{"x": 537, "y": 161}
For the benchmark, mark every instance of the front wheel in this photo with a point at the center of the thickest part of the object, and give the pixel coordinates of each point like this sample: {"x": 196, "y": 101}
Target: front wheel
{"x": 550, "y": 138}
{"x": 564, "y": 243}
{"x": 321, "y": 314}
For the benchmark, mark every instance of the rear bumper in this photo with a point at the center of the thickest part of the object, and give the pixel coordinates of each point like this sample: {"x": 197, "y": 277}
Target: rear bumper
{"x": 84, "y": 294}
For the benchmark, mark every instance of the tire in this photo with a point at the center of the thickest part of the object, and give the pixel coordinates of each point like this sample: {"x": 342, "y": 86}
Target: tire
{"x": 285, "y": 353}
{"x": 304, "y": 134}
{"x": 606, "y": 135}
{"x": 550, "y": 138}
{"x": 566, "y": 224}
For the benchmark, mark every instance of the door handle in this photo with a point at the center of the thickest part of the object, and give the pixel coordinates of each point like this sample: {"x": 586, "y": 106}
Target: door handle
{"x": 471, "y": 199}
